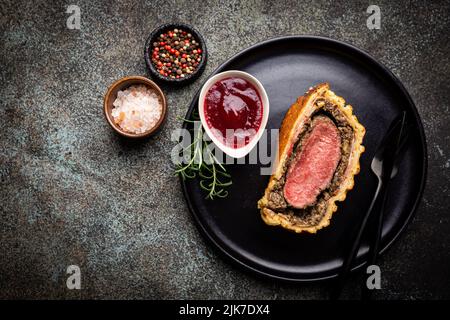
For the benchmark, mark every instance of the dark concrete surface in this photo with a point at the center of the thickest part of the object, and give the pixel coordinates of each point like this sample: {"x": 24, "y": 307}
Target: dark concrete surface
{"x": 72, "y": 192}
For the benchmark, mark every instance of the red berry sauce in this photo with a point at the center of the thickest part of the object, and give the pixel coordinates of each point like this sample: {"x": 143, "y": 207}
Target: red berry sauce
{"x": 234, "y": 104}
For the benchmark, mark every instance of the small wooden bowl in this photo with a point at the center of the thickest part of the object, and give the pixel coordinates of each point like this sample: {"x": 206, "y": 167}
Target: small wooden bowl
{"x": 122, "y": 84}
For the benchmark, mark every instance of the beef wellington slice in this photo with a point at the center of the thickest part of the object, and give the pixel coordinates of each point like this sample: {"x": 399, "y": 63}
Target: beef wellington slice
{"x": 320, "y": 143}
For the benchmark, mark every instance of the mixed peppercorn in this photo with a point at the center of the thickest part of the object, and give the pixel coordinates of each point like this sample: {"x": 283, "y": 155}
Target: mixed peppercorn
{"x": 176, "y": 54}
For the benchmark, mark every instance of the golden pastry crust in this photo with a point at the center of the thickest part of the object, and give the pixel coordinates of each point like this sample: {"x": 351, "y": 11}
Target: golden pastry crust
{"x": 291, "y": 126}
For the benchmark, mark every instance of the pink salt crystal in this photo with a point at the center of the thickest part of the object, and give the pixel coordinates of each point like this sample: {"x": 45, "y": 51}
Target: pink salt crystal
{"x": 137, "y": 109}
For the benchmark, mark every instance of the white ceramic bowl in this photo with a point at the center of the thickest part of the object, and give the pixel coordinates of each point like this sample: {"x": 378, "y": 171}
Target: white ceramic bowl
{"x": 242, "y": 151}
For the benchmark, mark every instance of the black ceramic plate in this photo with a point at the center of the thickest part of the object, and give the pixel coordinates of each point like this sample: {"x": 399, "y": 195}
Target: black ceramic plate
{"x": 287, "y": 67}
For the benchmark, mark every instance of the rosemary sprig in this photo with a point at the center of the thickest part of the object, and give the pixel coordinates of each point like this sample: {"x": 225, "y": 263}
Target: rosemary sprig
{"x": 213, "y": 176}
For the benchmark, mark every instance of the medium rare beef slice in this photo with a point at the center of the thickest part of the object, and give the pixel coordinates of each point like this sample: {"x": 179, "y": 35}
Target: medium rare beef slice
{"x": 314, "y": 165}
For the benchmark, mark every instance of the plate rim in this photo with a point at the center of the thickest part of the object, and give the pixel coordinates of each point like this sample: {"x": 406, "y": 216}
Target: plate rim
{"x": 384, "y": 69}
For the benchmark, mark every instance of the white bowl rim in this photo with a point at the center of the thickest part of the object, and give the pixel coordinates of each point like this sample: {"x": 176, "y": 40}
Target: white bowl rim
{"x": 242, "y": 151}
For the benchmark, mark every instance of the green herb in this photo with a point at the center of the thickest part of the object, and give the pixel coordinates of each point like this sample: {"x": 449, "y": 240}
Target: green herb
{"x": 214, "y": 178}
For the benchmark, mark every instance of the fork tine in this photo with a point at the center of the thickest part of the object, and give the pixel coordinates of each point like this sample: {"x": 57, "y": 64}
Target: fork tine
{"x": 404, "y": 139}
{"x": 401, "y": 149}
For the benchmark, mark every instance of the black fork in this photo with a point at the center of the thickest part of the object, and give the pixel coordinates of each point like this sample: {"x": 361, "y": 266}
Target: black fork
{"x": 385, "y": 166}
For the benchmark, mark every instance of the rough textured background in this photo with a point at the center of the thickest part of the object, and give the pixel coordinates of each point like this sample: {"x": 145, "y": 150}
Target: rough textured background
{"x": 73, "y": 192}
